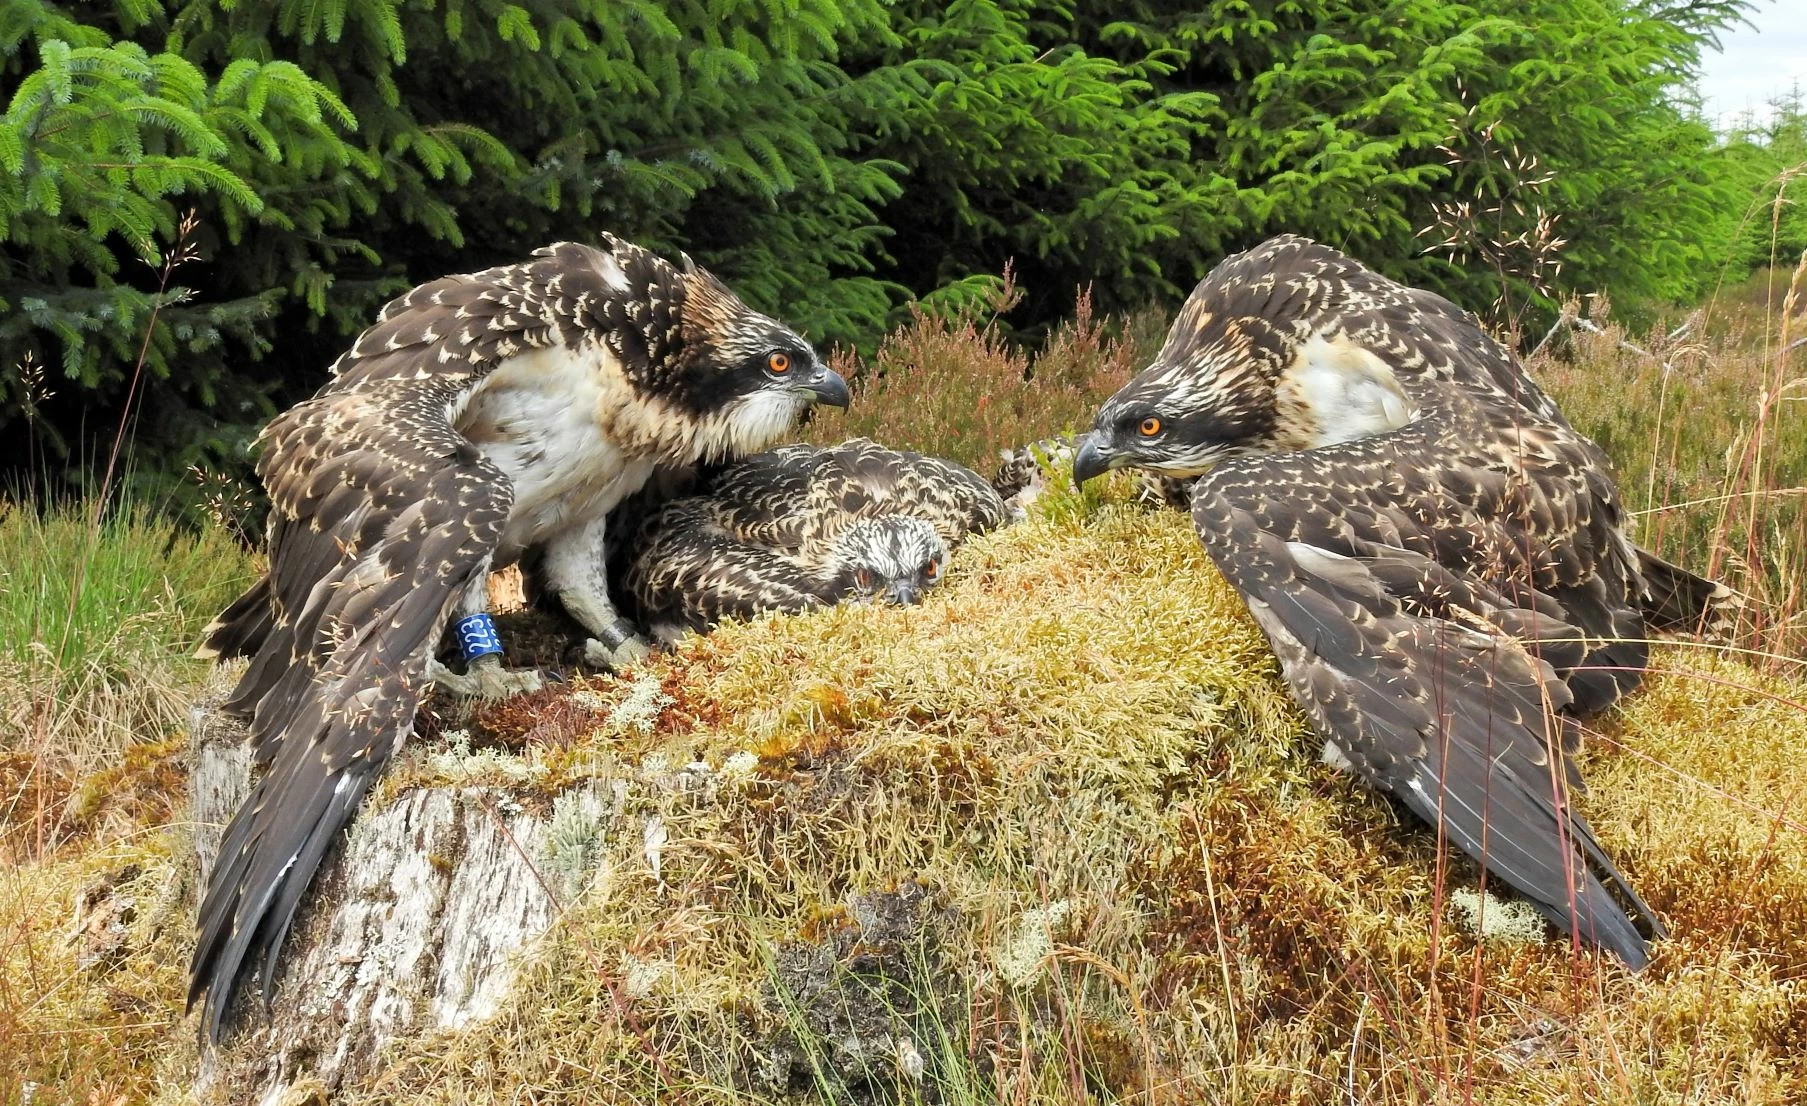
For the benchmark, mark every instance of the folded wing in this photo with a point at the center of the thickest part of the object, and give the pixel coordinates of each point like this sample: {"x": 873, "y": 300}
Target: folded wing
{"x": 1436, "y": 684}
{"x": 375, "y": 540}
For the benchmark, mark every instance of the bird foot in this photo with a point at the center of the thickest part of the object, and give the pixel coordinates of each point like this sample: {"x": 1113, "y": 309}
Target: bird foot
{"x": 630, "y": 650}
{"x": 485, "y": 678}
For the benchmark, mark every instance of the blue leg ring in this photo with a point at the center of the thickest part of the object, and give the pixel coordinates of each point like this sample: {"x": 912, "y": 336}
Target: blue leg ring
{"x": 477, "y": 636}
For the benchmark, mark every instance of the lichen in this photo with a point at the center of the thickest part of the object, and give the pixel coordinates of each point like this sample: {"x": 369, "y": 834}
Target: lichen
{"x": 1020, "y": 959}
{"x": 575, "y": 840}
{"x": 1492, "y": 918}
{"x": 639, "y": 710}
{"x": 453, "y": 760}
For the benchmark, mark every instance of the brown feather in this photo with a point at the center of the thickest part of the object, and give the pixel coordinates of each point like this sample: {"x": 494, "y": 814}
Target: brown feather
{"x": 1445, "y": 591}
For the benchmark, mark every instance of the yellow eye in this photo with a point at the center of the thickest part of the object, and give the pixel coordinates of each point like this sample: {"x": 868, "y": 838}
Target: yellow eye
{"x": 1150, "y": 427}
{"x": 779, "y": 362}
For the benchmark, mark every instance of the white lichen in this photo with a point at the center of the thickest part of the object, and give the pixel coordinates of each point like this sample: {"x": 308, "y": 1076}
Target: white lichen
{"x": 642, "y": 978}
{"x": 639, "y": 710}
{"x": 590, "y": 700}
{"x": 455, "y": 761}
{"x": 654, "y": 836}
{"x": 1495, "y": 919}
{"x": 1021, "y": 958}
{"x": 910, "y": 1060}
{"x": 740, "y": 766}
{"x": 576, "y": 836}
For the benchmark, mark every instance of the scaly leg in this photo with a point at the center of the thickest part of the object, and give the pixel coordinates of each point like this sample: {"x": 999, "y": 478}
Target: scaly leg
{"x": 576, "y": 567}
{"x": 483, "y": 676}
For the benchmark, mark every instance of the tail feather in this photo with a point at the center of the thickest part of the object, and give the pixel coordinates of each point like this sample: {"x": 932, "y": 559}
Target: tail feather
{"x": 240, "y": 629}
{"x": 279, "y": 861}
{"x": 1679, "y": 602}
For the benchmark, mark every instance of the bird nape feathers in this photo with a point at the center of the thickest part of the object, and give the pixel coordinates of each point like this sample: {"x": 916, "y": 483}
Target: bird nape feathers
{"x": 1437, "y": 558}
{"x": 482, "y": 418}
{"x": 800, "y": 527}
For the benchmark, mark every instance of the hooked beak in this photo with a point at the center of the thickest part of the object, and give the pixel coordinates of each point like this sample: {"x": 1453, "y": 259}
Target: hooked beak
{"x": 828, "y": 387}
{"x": 903, "y": 594}
{"x": 1094, "y": 460}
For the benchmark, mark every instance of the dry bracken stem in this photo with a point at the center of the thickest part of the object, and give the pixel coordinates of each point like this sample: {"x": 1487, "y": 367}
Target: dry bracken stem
{"x": 1077, "y": 955}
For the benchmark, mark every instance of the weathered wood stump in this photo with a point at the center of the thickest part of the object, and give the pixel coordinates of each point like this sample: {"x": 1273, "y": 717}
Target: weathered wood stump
{"x": 416, "y": 925}
{"x": 421, "y": 920}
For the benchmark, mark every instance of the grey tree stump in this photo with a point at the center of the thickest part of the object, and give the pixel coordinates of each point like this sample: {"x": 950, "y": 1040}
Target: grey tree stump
{"x": 417, "y": 924}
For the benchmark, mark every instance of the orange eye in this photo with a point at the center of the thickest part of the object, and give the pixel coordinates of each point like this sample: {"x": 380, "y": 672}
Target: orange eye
{"x": 933, "y": 570}
{"x": 1150, "y": 427}
{"x": 779, "y": 362}
{"x": 863, "y": 578}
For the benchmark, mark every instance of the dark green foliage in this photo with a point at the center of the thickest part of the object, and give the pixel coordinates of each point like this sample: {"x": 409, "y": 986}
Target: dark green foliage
{"x": 832, "y": 159}
{"x": 102, "y": 145}
{"x": 338, "y": 151}
{"x": 1772, "y": 158}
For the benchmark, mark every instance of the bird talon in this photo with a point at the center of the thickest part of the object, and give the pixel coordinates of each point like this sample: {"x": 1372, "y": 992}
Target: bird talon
{"x": 631, "y": 651}
{"x": 485, "y": 678}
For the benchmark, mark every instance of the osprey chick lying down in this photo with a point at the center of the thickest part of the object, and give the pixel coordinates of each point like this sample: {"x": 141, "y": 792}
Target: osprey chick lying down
{"x": 1437, "y": 558}
{"x": 805, "y": 526}
{"x": 482, "y": 418}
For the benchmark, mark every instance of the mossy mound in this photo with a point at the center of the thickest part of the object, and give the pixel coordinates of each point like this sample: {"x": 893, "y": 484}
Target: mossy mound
{"x": 1055, "y": 835}
{"x": 1145, "y": 886}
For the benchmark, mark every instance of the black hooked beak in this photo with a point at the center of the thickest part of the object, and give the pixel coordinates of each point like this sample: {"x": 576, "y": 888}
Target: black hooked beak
{"x": 827, "y": 386}
{"x": 903, "y": 594}
{"x": 1094, "y": 460}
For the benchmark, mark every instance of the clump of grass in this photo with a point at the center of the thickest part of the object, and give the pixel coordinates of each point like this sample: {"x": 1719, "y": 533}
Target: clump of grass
{"x": 958, "y": 387}
{"x": 92, "y": 949}
{"x": 96, "y": 623}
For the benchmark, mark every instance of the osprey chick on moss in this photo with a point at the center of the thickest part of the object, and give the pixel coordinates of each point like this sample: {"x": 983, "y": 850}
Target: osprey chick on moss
{"x": 1436, "y": 556}
{"x": 805, "y": 526}
{"x": 483, "y": 418}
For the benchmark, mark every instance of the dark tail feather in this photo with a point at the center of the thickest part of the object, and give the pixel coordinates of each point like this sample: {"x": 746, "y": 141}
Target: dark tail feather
{"x": 268, "y": 858}
{"x": 1679, "y": 602}
{"x": 1607, "y": 674}
{"x": 1512, "y": 830}
{"x": 240, "y": 629}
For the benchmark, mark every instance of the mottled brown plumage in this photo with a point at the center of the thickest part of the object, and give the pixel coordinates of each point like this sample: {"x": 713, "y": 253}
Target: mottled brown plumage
{"x": 805, "y": 526}
{"x": 1438, "y": 559}
{"x": 482, "y": 417}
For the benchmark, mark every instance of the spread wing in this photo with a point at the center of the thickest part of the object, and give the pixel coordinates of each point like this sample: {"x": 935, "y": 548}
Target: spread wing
{"x": 386, "y": 516}
{"x": 382, "y": 515}
{"x": 452, "y": 330}
{"x": 1428, "y": 627}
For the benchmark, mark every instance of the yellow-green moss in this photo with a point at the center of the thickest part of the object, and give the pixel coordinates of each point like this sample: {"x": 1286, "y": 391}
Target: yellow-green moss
{"x": 1147, "y": 888}
{"x": 1082, "y": 724}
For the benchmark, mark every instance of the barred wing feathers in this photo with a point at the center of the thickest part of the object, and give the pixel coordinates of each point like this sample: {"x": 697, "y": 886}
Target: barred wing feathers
{"x": 801, "y": 495}
{"x": 1438, "y": 649}
{"x": 753, "y": 537}
{"x": 380, "y": 538}
{"x": 696, "y": 569}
